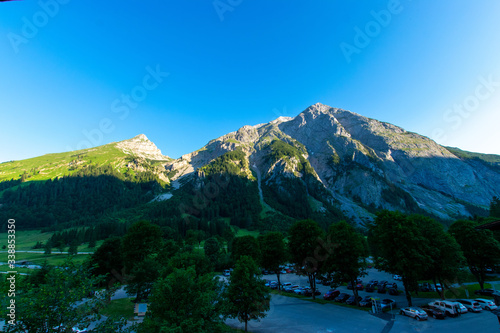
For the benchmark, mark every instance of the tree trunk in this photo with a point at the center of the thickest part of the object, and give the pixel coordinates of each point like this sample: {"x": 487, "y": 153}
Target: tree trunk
{"x": 355, "y": 291}
{"x": 246, "y": 323}
{"x": 279, "y": 283}
{"x": 407, "y": 292}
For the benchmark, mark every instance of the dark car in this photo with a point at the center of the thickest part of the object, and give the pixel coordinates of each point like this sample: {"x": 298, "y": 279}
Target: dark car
{"x": 326, "y": 282}
{"x": 393, "y": 291}
{"x": 352, "y": 300}
{"x": 370, "y": 287}
{"x": 433, "y": 312}
{"x": 366, "y": 302}
{"x": 383, "y": 283}
{"x": 387, "y": 303}
{"x": 341, "y": 298}
{"x": 373, "y": 282}
{"x": 331, "y": 294}
{"x": 359, "y": 286}
{"x": 308, "y": 292}
{"x": 349, "y": 286}
{"x": 485, "y": 292}
{"x": 381, "y": 290}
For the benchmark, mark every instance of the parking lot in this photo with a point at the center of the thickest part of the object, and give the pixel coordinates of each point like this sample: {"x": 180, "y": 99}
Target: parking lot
{"x": 288, "y": 314}
{"x": 373, "y": 274}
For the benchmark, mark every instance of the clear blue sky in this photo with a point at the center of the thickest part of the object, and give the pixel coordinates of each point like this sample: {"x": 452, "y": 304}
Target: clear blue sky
{"x": 67, "y": 68}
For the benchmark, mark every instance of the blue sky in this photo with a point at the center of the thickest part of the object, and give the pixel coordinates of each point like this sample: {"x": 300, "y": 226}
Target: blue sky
{"x": 185, "y": 72}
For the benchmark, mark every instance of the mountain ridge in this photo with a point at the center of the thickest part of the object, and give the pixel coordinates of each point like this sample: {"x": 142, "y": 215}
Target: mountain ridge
{"x": 324, "y": 163}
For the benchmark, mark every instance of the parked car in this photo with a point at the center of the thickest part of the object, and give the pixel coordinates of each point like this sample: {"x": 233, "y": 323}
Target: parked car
{"x": 433, "y": 312}
{"x": 227, "y": 272}
{"x": 269, "y": 283}
{"x": 387, "y": 303}
{"x": 326, "y": 282}
{"x": 366, "y": 301}
{"x": 309, "y": 292}
{"x": 370, "y": 287}
{"x": 486, "y": 304}
{"x": 381, "y": 289}
{"x": 352, "y": 300}
{"x": 414, "y": 312}
{"x": 341, "y": 298}
{"x": 471, "y": 305}
{"x": 383, "y": 283}
{"x": 485, "y": 292}
{"x": 359, "y": 286}
{"x": 438, "y": 287}
{"x": 373, "y": 282}
{"x": 425, "y": 287}
{"x": 461, "y": 307}
{"x": 290, "y": 289}
{"x": 397, "y": 277}
{"x": 300, "y": 290}
{"x": 331, "y": 294}
{"x": 447, "y": 307}
{"x": 393, "y": 291}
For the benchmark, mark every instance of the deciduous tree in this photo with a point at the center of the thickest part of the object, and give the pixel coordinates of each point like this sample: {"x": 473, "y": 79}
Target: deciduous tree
{"x": 347, "y": 262}
{"x": 273, "y": 252}
{"x": 480, "y": 248}
{"x": 308, "y": 249}
{"x": 184, "y": 301}
{"x": 246, "y": 296}
{"x": 400, "y": 248}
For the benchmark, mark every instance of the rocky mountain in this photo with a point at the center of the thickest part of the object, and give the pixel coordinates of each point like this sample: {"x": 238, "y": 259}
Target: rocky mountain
{"x": 331, "y": 158}
{"x": 326, "y": 164}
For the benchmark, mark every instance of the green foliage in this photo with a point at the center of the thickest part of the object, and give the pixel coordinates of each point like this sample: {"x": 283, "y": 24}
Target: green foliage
{"x": 233, "y": 163}
{"x": 245, "y": 245}
{"x": 213, "y": 251}
{"x": 81, "y": 199}
{"x": 185, "y": 260}
{"x": 289, "y": 197}
{"x": 399, "y": 247}
{"x": 445, "y": 256}
{"x": 495, "y": 207}
{"x": 347, "y": 252}
{"x": 307, "y": 248}
{"x": 479, "y": 247}
{"x": 185, "y": 302}
{"x": 273, "y": 252}
{"x": 58, "y": 291}
{"x": 139, "y": 247}
{"x": 107, "y": 261}
{"x": 142, "y": 240}
{"x": 246, "y": 296}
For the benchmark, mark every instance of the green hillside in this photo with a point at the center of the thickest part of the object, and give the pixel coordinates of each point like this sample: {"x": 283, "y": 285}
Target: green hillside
{"x": 51, "y": 166}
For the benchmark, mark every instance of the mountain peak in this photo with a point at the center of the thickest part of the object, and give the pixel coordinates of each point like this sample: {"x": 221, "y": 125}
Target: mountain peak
{"x": 141, "y": 146}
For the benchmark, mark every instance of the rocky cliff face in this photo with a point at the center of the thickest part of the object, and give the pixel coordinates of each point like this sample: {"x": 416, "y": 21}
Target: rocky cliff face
{"x": 141, "y": 146}
{"x": 355, "y": 163}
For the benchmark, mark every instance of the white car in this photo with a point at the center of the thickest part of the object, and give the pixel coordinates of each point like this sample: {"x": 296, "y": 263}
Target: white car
{"x": 397, "y": 277}
{"x": 447, "y": 307}
{"x": 414, "y": 312}
{"x": 486, "y": 304}
{"x": 462, "y": 307}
